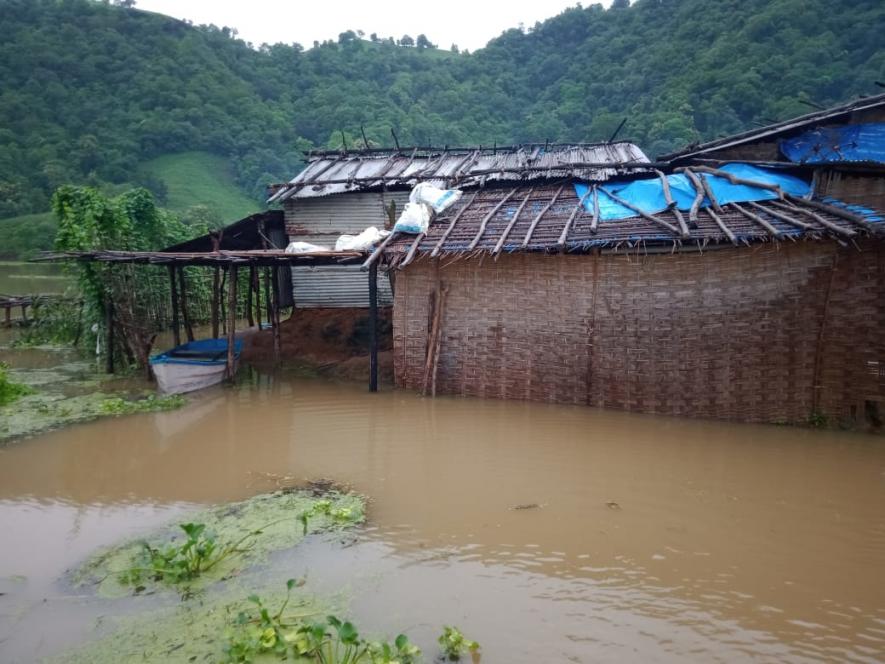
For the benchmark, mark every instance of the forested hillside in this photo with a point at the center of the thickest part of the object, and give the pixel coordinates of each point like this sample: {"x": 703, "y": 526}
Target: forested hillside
{"x": 90, "y": 92}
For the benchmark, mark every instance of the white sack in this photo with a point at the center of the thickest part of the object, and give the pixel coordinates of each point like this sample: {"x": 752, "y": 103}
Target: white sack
{"x": 438, "y": 199}
{"x": 414, "y": 219}
{"x": 362, "y": 242}
{"x": 304, "y": 248}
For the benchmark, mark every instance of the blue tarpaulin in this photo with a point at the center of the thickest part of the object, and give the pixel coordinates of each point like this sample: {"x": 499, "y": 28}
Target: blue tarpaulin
{"x": 862, "y": 142}
{"x": 648, "y": 194}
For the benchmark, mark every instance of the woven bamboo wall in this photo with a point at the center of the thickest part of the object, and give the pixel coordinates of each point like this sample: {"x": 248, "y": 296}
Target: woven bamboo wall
{"x": 736, "y": 333}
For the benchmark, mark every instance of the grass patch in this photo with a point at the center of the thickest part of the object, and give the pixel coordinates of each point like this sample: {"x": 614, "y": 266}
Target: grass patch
{"x": 11, "y": 391}
{"x": 201, "y": 178}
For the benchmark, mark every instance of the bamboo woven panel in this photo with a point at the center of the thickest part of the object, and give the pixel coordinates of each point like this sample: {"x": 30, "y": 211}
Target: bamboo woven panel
{"x": 768, "y": 333}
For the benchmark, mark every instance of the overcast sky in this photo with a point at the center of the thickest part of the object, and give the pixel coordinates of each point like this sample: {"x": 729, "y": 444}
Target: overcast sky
{"x": 468, "y": 23}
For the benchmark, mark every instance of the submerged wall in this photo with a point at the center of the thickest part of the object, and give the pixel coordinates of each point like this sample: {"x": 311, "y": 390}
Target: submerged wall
{"x": 773, "y": 332}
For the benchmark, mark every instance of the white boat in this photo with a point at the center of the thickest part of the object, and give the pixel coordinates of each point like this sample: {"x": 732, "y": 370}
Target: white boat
{"x": 193, "y": 366}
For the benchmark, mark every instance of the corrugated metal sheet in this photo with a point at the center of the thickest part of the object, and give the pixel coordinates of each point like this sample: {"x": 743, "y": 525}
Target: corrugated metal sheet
{"x": 339, "y": 173}
{"x": 336, "y": 286}
{"x": 320, "y": 221}
{"x": 330, "y": 217}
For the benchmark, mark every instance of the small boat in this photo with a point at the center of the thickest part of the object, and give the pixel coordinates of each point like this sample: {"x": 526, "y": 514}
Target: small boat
{"x": 194, "y": 365}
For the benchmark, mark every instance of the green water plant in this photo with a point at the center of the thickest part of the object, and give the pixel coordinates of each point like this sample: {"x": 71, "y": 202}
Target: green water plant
{"x": 330, "y": 641}
{"x": 174, "y": 563}
{"x": 150, "y": 404}
{"x": 454, "y": 644}
{"x": 10, "y": 390}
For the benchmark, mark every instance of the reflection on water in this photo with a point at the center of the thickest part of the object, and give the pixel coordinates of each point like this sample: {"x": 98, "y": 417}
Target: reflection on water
{"x": 653, "y": 539}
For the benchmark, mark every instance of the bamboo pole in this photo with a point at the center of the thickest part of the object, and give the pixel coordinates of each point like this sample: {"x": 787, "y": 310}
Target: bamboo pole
{"x": 485, "y": 220}
{"x": 188, "y": 326}
{"x": 506, "y": 233}
{"x": 448, "y": 231}
{"x": 216, "y": 297}
{"x": 173, "y": 290}
{"x": 275, "y": 308}
{"x": 256, "y": 286}
{"x": 568, "y": 224}
{"x": 537, "y": 219}
{"x": 373, "y": 327}
{"x": 250, "y": 317}
{"x": 231, "y": 321}
{"x": 438, "y": 344}
{"x": 699, "y": 195}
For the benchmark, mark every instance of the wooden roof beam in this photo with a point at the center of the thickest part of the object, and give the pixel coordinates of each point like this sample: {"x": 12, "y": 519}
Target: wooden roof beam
{"x": 503, "y": 238}
{"x": 568, "y": 224}
{"x": 537, "y": 219}
{"x": 485, "y": 220}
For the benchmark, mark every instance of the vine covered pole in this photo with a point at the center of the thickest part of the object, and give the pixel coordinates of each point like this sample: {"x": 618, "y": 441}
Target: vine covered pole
{"x": 109, "y": 326}
{"x": 216, "y": 297}
{"x": 173, "y": 290}
{"x": 231, "y": 319}
{"x": 188, "y": 325}
{"x": 373, "y": 327}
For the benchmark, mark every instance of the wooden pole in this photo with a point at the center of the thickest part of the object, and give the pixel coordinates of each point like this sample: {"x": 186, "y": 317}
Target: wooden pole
{"x": 216, "y": 297}
{"x": 221, "y": 292}
{"x": 275, "y": 319}
{"x": 188, "y": 326}
{"x": 249, "y": 313}
{"x": 267, "y": 301}
{"x": 255, "y": 285}
{"x": 109, "y": 326}
{"x": 173, "y": 290}
{"x": 231, "y": 319}
{"x": 373, "y": 327}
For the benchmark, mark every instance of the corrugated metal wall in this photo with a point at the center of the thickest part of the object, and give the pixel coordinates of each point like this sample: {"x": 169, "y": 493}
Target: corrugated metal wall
{"x": 321, "y": 221}
{"x": 336, "y": 286}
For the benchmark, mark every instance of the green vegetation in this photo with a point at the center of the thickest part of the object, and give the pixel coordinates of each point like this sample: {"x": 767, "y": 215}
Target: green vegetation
{"x": 453, "y": 644}
{"x": 150, "y": 404}
{"x": 217, "y": 543}
{"x": 9, "y": 390}
{"x": 187, "y": 180}
{"x": 135, "y": 86}
{"x": 332, "y": 641}
{"x": 26, "y": 235}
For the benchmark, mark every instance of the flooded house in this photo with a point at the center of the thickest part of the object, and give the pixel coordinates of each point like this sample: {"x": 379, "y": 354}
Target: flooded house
{"x": 346, "y": 192}
{"x": 719, "y": 289}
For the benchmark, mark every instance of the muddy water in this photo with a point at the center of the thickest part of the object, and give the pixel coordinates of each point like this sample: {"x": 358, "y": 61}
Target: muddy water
{"x": 642, "y": 538}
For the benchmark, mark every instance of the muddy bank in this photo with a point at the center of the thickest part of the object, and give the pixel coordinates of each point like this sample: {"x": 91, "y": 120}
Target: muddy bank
{"x": 328, "y": 342}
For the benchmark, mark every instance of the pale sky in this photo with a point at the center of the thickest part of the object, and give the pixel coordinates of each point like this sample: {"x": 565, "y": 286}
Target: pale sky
{"x": 468, "y": 23}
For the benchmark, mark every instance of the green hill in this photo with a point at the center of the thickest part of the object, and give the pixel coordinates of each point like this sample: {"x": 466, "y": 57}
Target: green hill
{"x": 200, "y": 178}
{"x": 91, "y": 90}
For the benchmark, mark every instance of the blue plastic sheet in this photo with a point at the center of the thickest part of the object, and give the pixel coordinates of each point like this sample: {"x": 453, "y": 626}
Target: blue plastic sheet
{"x": 648, "y": 194}
{"x": 862, "y": 142}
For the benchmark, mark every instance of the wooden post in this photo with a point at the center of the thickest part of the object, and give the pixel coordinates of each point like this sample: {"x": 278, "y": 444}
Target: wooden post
{"x": 221, "y": 291}
{"x": 8, "y": 316}
{"x": 275, "y": 316}
{"x": 267, "y": 299}
{"x": 216, "y": 296}
{"x": 249, "y": 314}
{"x": 24, "y": 314}
{"x": 231, "y": 319}
{"x": 173, "y": 289}
{"x": 188, "y": 326}
{"x": 256, "y": 286}
{"x": 373, "y": 327}
{"x": 109, "y": 326}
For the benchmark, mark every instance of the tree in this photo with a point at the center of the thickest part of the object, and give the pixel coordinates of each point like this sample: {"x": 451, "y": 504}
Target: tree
{"x": 423, "y": 42}
{"x": 405, "y": 40}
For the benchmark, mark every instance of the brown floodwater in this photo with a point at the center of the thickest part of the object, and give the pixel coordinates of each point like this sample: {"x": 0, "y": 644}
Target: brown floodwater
{"x": 649, "y": 539}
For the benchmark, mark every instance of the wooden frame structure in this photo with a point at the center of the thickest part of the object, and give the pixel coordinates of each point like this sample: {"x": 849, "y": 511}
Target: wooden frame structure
{"x": 226, "y": 265}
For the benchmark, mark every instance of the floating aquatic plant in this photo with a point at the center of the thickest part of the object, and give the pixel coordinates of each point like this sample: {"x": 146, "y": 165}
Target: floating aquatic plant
{"x": 454, "y": 644}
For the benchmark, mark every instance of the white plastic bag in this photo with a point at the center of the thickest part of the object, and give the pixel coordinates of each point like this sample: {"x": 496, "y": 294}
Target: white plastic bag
{"x": 362, "y": 242}
{"x": 414, "y": 219}
{"x": 304, "y": 248}
{"x": 438, "y": 199}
